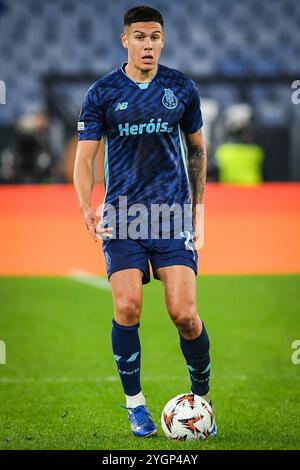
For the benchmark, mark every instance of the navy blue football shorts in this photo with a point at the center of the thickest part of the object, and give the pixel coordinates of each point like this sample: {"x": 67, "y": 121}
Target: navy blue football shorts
{"x": 127, "y": 254}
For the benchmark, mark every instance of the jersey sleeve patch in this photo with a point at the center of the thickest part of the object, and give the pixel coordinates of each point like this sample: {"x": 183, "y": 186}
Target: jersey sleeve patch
{"x": 91, "y": 119}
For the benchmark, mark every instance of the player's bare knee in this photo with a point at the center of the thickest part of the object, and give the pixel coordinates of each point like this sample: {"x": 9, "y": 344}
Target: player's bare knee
{"x": 185, "y": 321}
{"x": 185, "y": 324}
{"x": 128, "y": 311}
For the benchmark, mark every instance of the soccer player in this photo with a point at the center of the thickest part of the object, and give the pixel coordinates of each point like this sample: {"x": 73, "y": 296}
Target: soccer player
{"x": 140, "y": 109}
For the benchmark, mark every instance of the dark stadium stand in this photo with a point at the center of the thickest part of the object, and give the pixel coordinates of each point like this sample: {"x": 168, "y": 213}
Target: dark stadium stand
{"x": 204, "y": 38}
{"x": 236, "y": 51}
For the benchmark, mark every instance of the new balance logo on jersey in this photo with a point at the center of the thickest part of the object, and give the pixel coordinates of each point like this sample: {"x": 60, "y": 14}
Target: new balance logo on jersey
{"x": 121, "y": 106}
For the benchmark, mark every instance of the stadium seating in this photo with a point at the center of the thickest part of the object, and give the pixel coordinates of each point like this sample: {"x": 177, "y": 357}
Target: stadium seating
{"x": 211, "y": 37}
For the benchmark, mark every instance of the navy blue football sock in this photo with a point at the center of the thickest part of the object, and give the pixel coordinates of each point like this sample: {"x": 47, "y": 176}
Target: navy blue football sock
{"x": 196, "y": 353}
{"x": 127, "y": 353}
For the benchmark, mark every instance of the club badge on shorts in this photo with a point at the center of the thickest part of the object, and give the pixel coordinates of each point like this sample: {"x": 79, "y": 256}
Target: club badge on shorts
{"x": 107, "y": 259}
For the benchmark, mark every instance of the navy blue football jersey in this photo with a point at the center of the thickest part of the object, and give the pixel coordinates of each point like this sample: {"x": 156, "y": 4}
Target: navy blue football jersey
{"x": 140, "y": 124}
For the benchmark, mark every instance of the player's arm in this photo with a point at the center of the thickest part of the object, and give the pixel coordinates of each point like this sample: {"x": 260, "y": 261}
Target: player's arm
{"x": 83, "y": 178}
{"x": 196, "y": 164}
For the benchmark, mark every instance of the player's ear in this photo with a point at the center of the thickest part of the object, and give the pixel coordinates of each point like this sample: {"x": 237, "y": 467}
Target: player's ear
{"x": 124, "y": 40}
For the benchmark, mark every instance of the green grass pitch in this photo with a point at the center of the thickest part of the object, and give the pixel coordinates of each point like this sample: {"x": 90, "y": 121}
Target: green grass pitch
{"x": 60, "y": 389}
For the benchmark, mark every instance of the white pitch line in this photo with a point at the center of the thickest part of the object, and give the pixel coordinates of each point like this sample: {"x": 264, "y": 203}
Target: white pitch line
{"x": 90, "y": 279}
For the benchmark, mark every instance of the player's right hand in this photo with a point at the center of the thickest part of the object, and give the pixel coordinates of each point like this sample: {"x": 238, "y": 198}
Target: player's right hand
{"x": 93, "y": 224}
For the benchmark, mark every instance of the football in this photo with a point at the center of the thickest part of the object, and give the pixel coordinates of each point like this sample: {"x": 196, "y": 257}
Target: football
{"x": 187, "y": 417}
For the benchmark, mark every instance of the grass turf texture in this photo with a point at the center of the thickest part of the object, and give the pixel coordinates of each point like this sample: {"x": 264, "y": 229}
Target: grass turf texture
{"x": 60, "y": 389}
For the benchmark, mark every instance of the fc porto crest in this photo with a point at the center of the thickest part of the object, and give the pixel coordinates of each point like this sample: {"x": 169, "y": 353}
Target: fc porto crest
{"x": 169, "y": 100}
{"x": 107, "y": 259}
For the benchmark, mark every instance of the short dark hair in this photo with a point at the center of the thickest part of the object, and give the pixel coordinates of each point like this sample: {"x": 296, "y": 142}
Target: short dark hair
{"x": 141, "y": 14}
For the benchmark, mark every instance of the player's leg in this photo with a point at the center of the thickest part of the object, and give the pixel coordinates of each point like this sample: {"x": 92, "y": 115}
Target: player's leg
{"x": 180, "y": 295}
{"x": 126, "y": 288}
{"x": 127, "y": 268}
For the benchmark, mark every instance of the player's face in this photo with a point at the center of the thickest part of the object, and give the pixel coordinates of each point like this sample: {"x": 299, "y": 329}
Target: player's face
{"x": 144, "y": 42}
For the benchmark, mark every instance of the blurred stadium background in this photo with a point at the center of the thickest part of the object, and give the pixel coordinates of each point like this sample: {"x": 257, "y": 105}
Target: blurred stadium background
{"x": 244, "y": 56}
